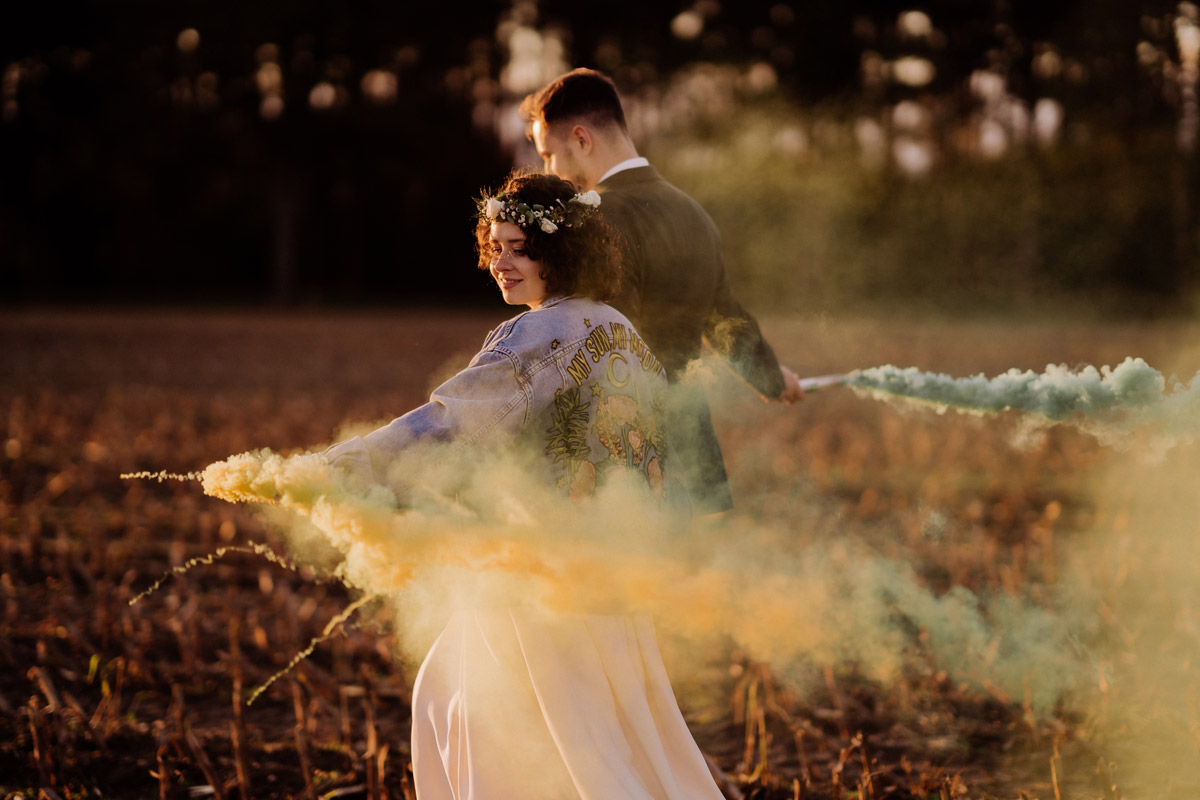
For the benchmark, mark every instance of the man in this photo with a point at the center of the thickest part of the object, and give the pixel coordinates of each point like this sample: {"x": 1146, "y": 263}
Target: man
{"x": 675, "y": 288}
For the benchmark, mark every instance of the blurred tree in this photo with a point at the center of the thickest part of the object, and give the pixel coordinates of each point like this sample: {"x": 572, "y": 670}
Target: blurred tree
{"x": 308, "y": 152}
{"x": 203, "y": 154}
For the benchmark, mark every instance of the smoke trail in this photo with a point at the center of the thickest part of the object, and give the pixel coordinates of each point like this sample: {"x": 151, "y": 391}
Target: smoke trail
{"x": 1137, "y": 572}
{"x": 1054, "y": 394}
{"x": 837, "y": 603}
{"x": 1109, "y": 403}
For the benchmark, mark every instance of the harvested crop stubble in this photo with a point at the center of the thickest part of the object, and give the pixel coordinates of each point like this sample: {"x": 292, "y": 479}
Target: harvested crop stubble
{"x": 138, "y": 700}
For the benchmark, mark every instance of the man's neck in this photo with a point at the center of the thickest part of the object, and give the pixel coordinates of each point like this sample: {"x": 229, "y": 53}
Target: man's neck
{"x": 610, "y": 154}
{"x": 629, "y": 163}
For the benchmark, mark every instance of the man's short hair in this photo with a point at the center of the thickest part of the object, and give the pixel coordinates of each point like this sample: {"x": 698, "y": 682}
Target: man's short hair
{"x": 579, "y": 94}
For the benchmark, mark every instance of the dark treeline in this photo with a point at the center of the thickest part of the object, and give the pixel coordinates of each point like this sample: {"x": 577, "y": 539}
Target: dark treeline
{"x": 121, "y": 183}
{"x": 320, "y": 153}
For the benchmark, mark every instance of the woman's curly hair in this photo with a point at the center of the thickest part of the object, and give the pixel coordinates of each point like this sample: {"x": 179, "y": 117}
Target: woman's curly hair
{"x": 582, "y": 258}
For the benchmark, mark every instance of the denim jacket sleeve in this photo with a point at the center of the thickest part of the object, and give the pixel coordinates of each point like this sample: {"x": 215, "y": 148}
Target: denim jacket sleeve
{"x": 484, "y": 403}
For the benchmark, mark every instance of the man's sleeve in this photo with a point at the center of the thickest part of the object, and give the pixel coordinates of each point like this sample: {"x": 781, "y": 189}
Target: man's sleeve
{"x": 734, "y": 334}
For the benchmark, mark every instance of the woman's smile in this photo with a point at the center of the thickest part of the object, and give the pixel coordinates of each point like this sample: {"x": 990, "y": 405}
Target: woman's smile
{"x": 518, "y": 276}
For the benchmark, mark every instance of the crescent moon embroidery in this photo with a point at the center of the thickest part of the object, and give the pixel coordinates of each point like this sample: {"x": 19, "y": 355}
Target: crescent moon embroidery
{"x": 612, "y": 377}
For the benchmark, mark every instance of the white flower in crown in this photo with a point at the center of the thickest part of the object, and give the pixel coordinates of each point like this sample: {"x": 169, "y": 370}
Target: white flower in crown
{"x": 511, "y": 208}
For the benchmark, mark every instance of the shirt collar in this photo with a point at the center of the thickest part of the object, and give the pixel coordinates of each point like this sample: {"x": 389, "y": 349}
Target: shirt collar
{"x": 629, "y": 163}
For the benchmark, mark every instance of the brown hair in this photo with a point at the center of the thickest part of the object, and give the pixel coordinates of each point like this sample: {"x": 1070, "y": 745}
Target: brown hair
{"x": 581, "y": 258}
{"x": 579, "y": 94}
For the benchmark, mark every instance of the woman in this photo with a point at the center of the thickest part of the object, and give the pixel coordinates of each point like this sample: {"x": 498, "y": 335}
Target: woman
{"x": 511, "y": 702}
{"x": 569, "y": 382}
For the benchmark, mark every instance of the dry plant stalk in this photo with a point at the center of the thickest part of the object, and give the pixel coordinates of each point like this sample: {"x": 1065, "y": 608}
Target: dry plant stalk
{"x": 202, "y": 761}
{"x": 47, "y": 686}
{"x": 406, "y": 783}
{"x": 238, "y": 726}
{"x": 164, "y": 778}
{"x": 381, "y": 770}
{"x": 1055, "y": 761}
{"x": 302, "y": 739}
{"x": 836, "y": 697}
{"x": 344, "y": 708}
{"x": 370, "y": 754}
{"x": 85, "y": 721}
{"x": 113, "y": 709}
{"x": 797, "y": 730}
{"x": 41, "y": 754}
{"x": 866, "y": 787}
{"x": 756, "y": 733}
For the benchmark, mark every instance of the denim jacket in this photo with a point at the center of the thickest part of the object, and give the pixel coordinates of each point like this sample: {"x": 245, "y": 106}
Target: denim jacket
{"x": 569, "y": 387}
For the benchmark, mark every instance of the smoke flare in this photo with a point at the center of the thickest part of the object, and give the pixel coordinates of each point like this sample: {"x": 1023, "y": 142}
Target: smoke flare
{"x": 1109, "y": 403}
{"x": 1055, "y": 394}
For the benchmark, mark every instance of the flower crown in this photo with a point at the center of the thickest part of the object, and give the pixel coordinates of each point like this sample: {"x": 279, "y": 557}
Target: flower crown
{"x": 511, "y": 208}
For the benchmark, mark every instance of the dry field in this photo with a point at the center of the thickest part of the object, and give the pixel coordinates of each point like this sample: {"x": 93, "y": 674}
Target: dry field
{"x": 101, "y": 698}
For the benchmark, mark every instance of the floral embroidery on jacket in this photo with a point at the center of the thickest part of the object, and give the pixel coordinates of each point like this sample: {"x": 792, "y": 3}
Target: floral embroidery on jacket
{"x": 629, "y": 441}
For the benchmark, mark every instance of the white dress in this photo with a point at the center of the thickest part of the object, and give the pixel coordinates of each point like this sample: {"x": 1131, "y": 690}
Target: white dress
{"x": 511, "y": 705}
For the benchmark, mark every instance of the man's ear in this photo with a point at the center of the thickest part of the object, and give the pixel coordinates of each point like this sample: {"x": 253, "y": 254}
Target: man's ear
{"x": 581, "y": 139}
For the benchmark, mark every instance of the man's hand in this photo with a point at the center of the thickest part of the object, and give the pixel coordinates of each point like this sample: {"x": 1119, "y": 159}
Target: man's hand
{"x": 792, "y": 391}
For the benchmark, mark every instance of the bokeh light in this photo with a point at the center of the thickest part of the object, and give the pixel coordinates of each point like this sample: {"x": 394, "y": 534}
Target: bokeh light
{"x": 12, "y": 80}
{"x": 913, "y": 71}
{"x": 322, "y": 96}
{"x": 1047, "y": 120}
{"x": 1048, "y": 64}
{"x": 269, "y": 78}
{"x": 914, "y": 157}
{"x": 206, "y": 92}
{"x": 535, "y": 57}
{"x": 188, "y": 40}
{"x": 380, "y": 86}
{"x": 914, "y": 25}
{"x": 271, "y": 107}
{"x": 687, "y": 25}
{"x": 761, "y": 77}
{"x": 910, "y": 116}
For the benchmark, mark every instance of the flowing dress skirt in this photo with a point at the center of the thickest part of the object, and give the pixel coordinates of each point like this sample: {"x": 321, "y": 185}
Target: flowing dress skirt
{"x": 511, "y": 705}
